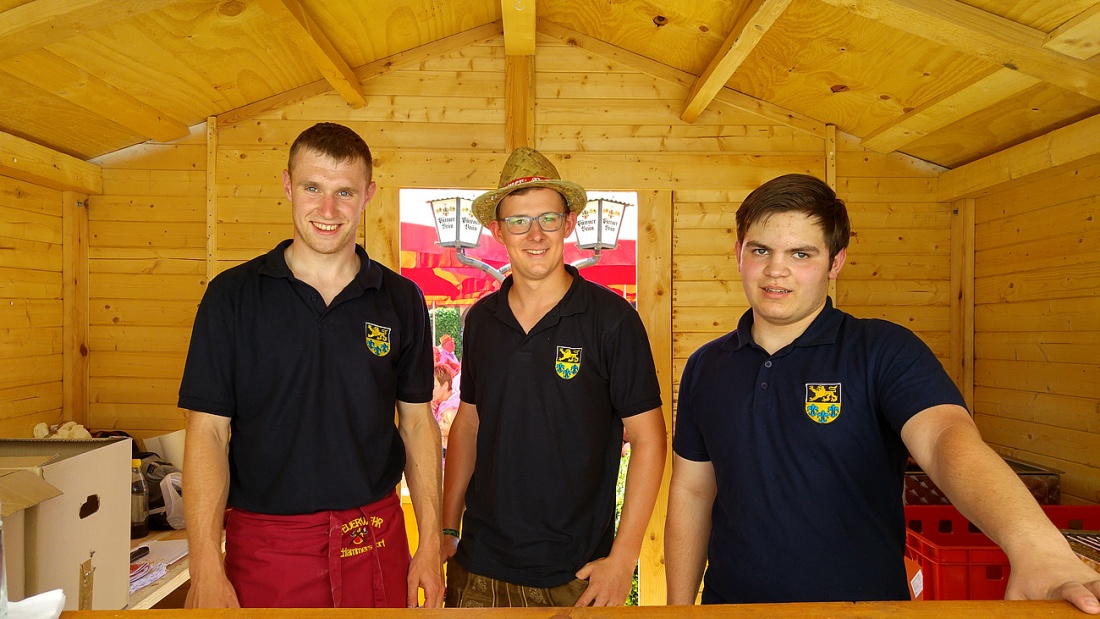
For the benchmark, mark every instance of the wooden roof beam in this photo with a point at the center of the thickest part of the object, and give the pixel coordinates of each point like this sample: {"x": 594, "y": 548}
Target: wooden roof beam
{"x": 366, "y": 72}
{"x": 727, "y": 96}
{"x": 1033, "y": 160}
{"x": 983, "y": 35}
{"x": 59, "y": 77}
{"x": 519, "y": 27}
{"x": 300, "y": 28}
{"x": 993, "y": 87}
{"x": 1078, "y": 37}
{"x": 519, "y": 72}
{"x": 751, "y": 26}
{"x": 34, "y": 163}
{"x": 39, "y": 23}
{"x": 519, "y": 101}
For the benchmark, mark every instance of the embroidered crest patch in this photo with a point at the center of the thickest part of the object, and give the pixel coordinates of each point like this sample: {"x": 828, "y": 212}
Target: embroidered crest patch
{"x": 568, "y": 363}
{"x": 378, "y": 339}
{"x": 823, "y": 402}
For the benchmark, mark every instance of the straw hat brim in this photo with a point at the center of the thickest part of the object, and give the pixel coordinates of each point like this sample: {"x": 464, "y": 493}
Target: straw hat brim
{"x": 485, "y": 206}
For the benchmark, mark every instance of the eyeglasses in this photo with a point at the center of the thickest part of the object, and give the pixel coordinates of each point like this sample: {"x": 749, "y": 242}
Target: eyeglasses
{"x": 520, "y": 224}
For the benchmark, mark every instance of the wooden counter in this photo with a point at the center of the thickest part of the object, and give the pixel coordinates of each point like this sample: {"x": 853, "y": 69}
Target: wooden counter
{"x": 867, "y": 610}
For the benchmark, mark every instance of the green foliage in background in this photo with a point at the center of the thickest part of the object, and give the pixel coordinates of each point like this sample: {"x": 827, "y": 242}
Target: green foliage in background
{"x": 448, "y": 320}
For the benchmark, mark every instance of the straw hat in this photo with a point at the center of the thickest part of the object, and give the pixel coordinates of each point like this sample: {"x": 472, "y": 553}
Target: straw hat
{"x": 527, "y": 167}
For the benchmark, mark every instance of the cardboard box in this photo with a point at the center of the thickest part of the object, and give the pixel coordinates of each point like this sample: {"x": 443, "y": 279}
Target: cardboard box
{"x": 79, "y": 539}
{"x": 21, "y": 487}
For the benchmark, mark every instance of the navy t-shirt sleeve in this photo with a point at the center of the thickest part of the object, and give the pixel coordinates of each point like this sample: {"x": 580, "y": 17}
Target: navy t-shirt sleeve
{"x": 909, "y": 378}
{"x": 687, "y": 440}
{"x": 208, "y": 382}
{"x": 633, "y": 384}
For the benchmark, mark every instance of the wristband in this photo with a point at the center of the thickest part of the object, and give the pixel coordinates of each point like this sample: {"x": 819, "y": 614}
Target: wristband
{"x": 451, "y": 532}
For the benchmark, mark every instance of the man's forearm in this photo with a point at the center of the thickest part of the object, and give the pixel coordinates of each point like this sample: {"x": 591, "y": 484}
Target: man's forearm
{"x": 423, "y": 464}
{"x": 691, "y": 496}
{"x": 987, "y": 491}
{"x": 461, "y": 458}
{"x": 206, "y": 486}
{"x": 643, "y": 482}
{"x": 686, "y": 533}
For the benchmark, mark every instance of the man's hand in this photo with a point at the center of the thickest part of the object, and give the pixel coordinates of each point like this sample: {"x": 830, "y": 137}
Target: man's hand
{"x": 1060, "y": 577}
{"x": 214, "y": 591}
{"x": 448, "y": 547}
{"x": 426, "y": 572}
{"x": 609, "y": 582}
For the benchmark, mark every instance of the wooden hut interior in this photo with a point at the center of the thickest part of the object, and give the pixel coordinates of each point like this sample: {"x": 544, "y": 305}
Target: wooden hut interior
{"x": 142, "y": 142}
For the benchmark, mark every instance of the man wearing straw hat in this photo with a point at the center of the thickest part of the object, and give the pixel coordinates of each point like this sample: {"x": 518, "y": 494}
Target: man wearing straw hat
{"x": 553, "y": 368}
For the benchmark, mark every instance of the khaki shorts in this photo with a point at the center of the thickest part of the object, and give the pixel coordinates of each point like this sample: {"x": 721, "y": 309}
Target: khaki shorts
{"x": 467, "y": 590}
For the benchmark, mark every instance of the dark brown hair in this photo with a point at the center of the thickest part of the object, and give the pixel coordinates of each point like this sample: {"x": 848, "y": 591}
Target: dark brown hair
{"x": 332, "y": 140}
{"x": 800, "y": 193}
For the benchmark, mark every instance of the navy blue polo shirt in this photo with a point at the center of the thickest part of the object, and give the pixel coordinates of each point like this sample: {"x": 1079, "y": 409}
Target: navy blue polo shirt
{"x": 808, "y": 457}
{"x": 550, "y": 403}
{"x": 310, "y": 389}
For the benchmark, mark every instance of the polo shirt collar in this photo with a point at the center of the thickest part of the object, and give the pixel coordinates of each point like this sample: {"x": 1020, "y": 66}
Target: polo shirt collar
{"x": 823, "y": 330}
{"x": 369, "y": 275}
{"x": 575, "y": 300}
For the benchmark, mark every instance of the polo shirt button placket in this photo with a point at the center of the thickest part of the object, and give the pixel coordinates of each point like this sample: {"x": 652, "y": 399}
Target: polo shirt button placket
{"x": 768, "y": 365}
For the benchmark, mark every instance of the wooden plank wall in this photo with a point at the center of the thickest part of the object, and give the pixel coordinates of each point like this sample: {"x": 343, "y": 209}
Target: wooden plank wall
{"x": 442, "y": 124}
{"x": 31, "y": 306}
{"x": 1037, "y": 326}
{"x": 147, "y": 272}
{"x": 899, "y": 258}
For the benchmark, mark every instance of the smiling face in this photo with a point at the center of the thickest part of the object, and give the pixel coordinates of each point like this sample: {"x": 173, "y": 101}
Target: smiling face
{"x": 536, "y": 254}
{"x": 785, "y": 270}
{"x": 327, "y": 199}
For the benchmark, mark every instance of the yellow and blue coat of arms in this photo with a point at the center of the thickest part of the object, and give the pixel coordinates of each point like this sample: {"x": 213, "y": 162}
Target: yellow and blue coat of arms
{"x": 823, "y": 402}
{"x": 568, "y": 363}
{"x": 378, "y": 339}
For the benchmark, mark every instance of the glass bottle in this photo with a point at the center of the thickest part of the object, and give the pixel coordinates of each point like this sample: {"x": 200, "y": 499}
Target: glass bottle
{"x": 139, "y": 502}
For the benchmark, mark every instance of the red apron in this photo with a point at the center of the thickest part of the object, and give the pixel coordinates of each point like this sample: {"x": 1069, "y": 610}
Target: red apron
{"x": 353, "y": 558}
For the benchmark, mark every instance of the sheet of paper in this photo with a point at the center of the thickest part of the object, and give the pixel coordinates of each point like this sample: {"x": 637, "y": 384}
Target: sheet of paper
{"x": 150, "y": 568}
{"x": 166, "y": 551}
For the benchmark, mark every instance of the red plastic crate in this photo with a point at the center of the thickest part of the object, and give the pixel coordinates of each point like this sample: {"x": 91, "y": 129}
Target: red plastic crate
{"x": 959, "y": 562}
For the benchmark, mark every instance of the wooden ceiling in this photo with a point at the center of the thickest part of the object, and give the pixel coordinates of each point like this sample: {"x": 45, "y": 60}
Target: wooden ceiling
{"x": 942, "y": 80}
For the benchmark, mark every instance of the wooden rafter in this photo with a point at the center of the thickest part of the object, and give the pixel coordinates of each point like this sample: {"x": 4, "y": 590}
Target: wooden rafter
{"x": 983, "y": 35}
{"x": 519, "y": 27}
{"x": 63, "y": 79}
{"x": 989, "y": 89}
{"x": 37, "y": 164}
{"x": 1078, "y": 37}
{"x": 519, "y": 101}
{"x": 1031, "y": 160}
{"x": 366, "y": 72}
{"x": 726, "y": 96}
{"x": 41, "y": 22}
{"x": 754, "y": 22}
{"x": 311, "y": 40}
